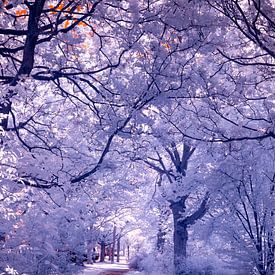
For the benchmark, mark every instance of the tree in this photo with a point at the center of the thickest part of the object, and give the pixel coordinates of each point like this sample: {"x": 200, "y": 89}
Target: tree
{"x": 225, "y": 100}
{"x": 44, "y": 104}
{"x": 254, "y": 21}
{"x": 173, "y": 165}
{"x": 239, "y": 86}
{"x": 245, "y": 214}
{"x": 82, "y": 81}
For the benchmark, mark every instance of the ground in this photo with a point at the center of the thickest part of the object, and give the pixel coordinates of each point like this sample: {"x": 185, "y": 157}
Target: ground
{"x": 107, "y": 269}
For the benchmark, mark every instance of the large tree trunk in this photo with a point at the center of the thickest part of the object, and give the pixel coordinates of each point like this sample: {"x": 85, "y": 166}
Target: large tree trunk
{"x": 180, "y": 249}
{"x": 180, "y": 236}
{"x": 181, "y": 223}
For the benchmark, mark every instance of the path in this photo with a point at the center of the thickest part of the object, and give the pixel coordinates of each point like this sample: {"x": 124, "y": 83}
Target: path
{"x": 105, "y": 269}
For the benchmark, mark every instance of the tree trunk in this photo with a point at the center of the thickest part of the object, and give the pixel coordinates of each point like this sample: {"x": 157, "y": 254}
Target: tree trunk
{"x": 90, "y": 253}
{"x": 118, "y": 250}
{"x": 180, "y": 240}
{"x": 180, "y": 245}
{"x": 113, "y": 247}
{"x": 36, "y": 9}
{"x": 128, "y": 252}
{"x": 181, "y": 223}
{"x": 102, "y": 251}
{"x": 110, "y": 252}
{"x": 180, "y": 236}
{"x": 270, "y": 254}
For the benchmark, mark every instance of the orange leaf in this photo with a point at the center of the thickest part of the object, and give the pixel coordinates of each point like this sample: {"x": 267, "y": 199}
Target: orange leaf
{"x": 82, "y": 24}
{"x": 60, "y": 6}
{"x": 66, "y": 24}
{"x": 52, "y": 8}
{"x": 21, "y": 12}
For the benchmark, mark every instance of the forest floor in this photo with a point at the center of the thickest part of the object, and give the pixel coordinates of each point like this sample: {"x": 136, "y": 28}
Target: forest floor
{"x": 107, "y": 268}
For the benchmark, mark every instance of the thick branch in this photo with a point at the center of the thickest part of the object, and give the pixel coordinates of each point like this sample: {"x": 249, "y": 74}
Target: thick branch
{"x": 198, "y": 214}
{"x": 186, "y": 155}
{"x": 32, "y": 37}
{"x": 13, "y": 32}
{"x": 104, "y": 153}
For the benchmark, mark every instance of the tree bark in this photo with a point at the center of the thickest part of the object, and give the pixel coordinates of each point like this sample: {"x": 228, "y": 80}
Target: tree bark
{"x": 113, "y": 247}
{"x": 118, "y": 250}
{"x": 128, "y": 252}
{"x": 102, "y": 251}
{"x": 180, "y": 236}
{"x": 32, "y": 36}
{"x": 180, "y": 249}
{"x": 90, "y": 253}
{"x": 181, "y": 223}
{"x": 271, "y": 253}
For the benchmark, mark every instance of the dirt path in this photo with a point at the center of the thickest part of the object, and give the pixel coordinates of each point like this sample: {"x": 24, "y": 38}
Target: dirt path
{"x": 114, "y": 272}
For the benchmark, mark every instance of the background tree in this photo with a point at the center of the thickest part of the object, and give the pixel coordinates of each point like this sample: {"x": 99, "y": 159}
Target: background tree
{"x": 248, "y": 219}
